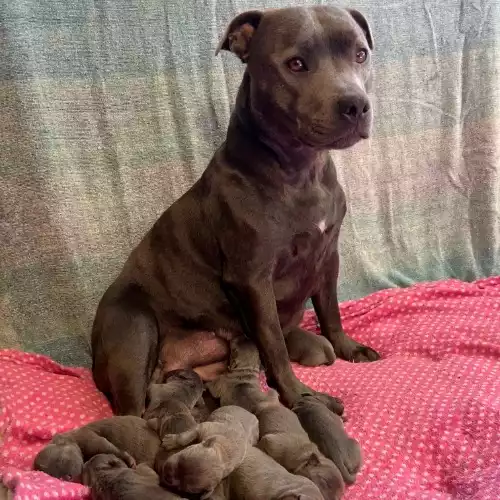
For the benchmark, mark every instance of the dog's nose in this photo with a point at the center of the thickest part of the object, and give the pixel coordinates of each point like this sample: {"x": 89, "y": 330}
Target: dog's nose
{"x": 353, "y": 107}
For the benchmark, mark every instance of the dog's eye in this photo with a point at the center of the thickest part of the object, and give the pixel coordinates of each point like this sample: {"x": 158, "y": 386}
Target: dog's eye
{"x": 361, "y": 56}
{"x": 296, "y": 64}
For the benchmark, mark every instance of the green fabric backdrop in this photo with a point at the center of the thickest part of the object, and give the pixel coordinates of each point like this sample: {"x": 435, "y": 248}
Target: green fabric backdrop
{"x": 110, "y": 109}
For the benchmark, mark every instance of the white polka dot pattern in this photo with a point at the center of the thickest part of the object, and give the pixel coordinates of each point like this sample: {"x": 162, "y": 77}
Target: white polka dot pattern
{"x": 427, "y": 415}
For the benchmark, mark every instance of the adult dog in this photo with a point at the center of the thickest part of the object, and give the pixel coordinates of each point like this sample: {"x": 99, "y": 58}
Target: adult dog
{"x": 257, "y": 235}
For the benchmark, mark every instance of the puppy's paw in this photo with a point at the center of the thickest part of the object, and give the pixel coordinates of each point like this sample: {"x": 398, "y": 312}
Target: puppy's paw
{"x": 129, "y": 460}
{"x": 169, "y": 442}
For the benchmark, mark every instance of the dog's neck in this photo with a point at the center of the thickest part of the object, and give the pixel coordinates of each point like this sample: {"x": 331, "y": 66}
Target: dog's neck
{"x": 251, "y": 141}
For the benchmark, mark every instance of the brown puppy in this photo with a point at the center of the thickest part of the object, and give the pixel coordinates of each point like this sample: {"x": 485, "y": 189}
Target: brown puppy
{"x": 109, "y": 478}
{"x": 171, "y": 404}
{"x": 327, "y": 430}
{"x": 129, "y": 438}
{"x": 281, "y": 435}
{"x": 260, "y": 477}
{"x": 214, "y": 449}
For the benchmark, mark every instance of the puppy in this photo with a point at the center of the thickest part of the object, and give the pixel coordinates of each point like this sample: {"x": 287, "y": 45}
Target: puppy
{"x": 214, "y": 449}
{"x": 260, "y": 477}
{"x": 171, "y": 404}
{"x": 326, "y": 429}
{"x": 281, "y": 435}
{"x": 129, "y": 438}
{"x": 109, "y": 478}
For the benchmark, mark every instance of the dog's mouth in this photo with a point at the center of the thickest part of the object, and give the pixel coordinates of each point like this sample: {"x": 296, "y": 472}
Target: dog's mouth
{"x": 324, "y": 138}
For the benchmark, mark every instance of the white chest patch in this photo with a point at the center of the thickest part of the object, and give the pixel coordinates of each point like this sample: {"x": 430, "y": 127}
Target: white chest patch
{"x": 321, "y": 225}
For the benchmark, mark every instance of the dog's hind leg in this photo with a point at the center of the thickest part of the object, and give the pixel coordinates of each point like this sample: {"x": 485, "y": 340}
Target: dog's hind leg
{"x": 124, "y": 349}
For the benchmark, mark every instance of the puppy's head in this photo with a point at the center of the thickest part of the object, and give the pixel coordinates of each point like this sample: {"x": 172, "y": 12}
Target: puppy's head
{"x": 244, "y": 356}
{"x": 183, "y": 386}
{"x": 61, "y": 460}
{"x": 98, "y": 464}
{"x": 324, "y": 474}
{"x": 309, "y": 71}
{"x": 197, "y": 469}
{"x": 300, "y": 488}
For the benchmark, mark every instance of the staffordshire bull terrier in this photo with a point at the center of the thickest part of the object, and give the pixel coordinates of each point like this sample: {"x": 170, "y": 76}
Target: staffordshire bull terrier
{"x": 257, "y": 235}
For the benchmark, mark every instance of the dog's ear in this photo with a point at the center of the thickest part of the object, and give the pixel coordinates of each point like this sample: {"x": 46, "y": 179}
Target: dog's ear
{"x": 239, "y": 34}
{"x": 363, "y": 24}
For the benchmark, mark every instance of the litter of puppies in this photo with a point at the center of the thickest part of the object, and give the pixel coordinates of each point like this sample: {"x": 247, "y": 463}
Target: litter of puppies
{"x": 249, "y": 448}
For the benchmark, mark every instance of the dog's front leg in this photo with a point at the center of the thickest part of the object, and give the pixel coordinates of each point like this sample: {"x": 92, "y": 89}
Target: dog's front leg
{"x": 327, "y": 310}
{"x": 256, "y": 304}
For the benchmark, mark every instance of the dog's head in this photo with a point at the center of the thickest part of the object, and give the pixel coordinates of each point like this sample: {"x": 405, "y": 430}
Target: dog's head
{"x": 98, "y": 464}
{"x": 181, "y": 387}
{"x": 197, "y": 469}
{"x": 309, "y": 71}
{"x": 60, "y": 459}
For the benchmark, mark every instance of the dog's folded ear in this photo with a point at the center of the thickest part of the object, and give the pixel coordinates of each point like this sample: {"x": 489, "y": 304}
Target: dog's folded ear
{"x": 239, "y": 34}
{"x": 363, "y": 24}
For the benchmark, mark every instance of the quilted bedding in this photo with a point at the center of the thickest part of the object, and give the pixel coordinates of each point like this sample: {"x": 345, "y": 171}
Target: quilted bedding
{"x": 427, "y": 415}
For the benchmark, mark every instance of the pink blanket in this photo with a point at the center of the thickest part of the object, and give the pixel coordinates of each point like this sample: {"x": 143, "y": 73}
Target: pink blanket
{"x": 427, "y": 415}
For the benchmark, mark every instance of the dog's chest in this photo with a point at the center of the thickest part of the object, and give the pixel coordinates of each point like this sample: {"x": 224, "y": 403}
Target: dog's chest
{"x": 308, "y": 237}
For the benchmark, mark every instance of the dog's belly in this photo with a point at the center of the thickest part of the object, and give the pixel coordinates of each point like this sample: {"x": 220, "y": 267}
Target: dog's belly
{"x": 205, "y": 352}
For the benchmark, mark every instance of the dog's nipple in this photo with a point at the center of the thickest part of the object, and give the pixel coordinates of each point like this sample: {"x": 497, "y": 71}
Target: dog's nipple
{"x": 322, "y": 225}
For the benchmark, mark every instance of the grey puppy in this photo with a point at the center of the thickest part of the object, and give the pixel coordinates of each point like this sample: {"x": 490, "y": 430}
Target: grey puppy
{"x": 129, "y": 438}
{"x": 211, "y": 451}
{"x": 171, "y": 403}
{"x": 260, "y": 477}
{"x": 327, "y": 430}
{"x": 109, "y": 478}
{"x": 171, "y": 407}
{"x": 281, "y": 434}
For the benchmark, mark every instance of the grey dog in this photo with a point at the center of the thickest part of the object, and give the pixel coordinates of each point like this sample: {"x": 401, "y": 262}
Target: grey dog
{"x": 257, "y": 234}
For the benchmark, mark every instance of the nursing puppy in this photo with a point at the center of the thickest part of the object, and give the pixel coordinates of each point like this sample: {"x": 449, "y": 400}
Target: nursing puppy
{"x": 212, "y": 450}
{"x": 109, "y": 478}
{"x": 281, "y": 435}
{"x": 327, "y": 430}
{"x": 129, "y": 438}
{"x": 260, "y": 477}
{"x": 171, "y": 404}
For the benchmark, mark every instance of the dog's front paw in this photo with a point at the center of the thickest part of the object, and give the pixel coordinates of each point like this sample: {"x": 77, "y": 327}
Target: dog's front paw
{"x": 303, "y": 391}
{"x": 350, "y": 350}
{"x": 334, "y": 404}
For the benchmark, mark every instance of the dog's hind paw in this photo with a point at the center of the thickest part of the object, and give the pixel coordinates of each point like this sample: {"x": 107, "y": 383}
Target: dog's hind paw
{"x": 309, "y": 349}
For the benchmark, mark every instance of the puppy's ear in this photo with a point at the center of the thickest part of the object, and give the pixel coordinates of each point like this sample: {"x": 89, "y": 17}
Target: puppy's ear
{"x": 313, "y": 460}
{"x": 239, "y": 34}
{"x": 363, "y": 24}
